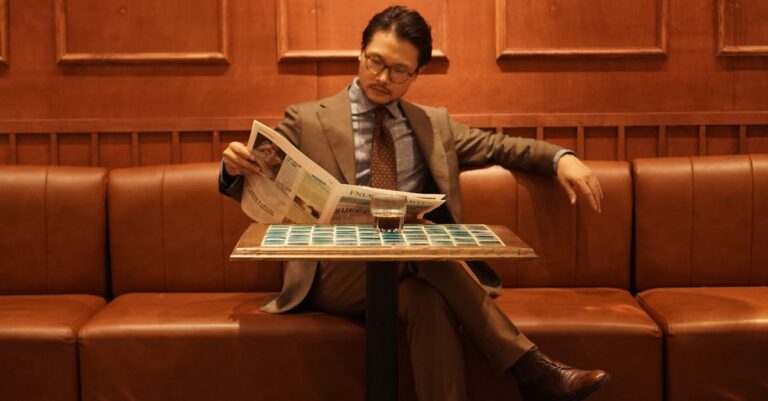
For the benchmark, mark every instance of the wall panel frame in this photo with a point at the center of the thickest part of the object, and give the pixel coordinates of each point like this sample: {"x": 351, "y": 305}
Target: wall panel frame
{"x": 286, "y": 52}
{"x": 4, "y": 32}
{"x": 726, "y": 44}
{"x": 594, "y": 136}
{"x": 66, "y": 56}
{"x": 505, "y": 50}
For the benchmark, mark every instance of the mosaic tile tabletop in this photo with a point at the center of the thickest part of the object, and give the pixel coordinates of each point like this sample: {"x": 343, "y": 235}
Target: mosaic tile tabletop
{"x": 412, "y": 235}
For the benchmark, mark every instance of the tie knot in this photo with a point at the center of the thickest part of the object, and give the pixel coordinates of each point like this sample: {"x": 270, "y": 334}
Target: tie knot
{"x": 380, "y": 113}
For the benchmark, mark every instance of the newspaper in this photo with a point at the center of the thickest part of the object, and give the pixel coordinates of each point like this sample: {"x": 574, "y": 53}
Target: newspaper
{"x": 293, "y": 189}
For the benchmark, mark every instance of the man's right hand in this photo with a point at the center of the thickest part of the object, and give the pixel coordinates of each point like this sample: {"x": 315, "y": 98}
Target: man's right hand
{"x": 239, "y": 160}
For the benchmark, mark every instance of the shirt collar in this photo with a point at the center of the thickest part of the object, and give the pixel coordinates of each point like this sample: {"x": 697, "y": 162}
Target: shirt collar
{"x": 361, "y": 104}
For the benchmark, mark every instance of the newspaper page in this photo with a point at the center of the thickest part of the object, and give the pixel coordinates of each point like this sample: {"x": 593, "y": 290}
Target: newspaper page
{"x": 353, "y": 204}
{"x": 293, "y": 189}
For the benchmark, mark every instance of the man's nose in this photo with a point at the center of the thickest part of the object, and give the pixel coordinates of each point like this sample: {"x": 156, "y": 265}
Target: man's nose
{"x": 383, "y": 76}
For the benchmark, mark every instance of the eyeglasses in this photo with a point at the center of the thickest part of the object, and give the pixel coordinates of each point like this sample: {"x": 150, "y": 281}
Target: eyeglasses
{"x": 397, "y": 74}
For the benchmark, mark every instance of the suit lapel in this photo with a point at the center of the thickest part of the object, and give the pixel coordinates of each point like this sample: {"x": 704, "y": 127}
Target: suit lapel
{"x": 335, "y": 116}
{"x": 431, "y": 145}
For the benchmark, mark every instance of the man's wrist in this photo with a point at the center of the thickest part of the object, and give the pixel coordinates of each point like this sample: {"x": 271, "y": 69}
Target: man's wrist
{"x": 226, "y": 180}
{"x": 560, "y": 153}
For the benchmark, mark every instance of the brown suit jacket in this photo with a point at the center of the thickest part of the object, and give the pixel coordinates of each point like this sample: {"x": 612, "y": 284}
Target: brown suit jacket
{"x": 323, "y": 131}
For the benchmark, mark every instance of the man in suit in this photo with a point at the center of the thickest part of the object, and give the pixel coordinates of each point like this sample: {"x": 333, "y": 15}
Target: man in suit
{"x": 368, "y": 135}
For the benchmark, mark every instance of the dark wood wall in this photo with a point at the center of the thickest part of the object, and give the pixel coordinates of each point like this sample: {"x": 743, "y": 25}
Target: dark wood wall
{"x": 119, "y": 83}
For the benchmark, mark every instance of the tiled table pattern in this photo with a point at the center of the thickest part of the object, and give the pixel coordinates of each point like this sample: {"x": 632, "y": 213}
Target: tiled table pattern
{"x": 427, "y": 235}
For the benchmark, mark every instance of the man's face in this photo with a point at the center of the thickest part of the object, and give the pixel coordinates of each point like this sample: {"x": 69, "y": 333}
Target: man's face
{"x": 387, "y": 48}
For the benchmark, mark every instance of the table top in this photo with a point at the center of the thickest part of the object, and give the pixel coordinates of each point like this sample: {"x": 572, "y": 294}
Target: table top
{"x": 362, "y": 242}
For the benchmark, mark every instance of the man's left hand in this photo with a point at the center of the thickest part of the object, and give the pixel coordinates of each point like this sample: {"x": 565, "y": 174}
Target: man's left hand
{"x": 575, "y": 176}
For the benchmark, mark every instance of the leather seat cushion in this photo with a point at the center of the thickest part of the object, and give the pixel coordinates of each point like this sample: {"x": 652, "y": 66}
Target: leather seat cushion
{"x": 140, "y": 342}
{"x": 38, "y": 345}
{"x": 593, "y": 328}
{"x": 220, "y": 346}
{"x": 716, "y": 340}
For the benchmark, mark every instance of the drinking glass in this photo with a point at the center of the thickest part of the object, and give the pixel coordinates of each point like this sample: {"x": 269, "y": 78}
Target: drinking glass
{"x": 388, "y": 212}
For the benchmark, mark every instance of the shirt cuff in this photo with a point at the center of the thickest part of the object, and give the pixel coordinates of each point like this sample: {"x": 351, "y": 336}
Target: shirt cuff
{"x": 560, "y": 153}
{"x": 226, "y": 181}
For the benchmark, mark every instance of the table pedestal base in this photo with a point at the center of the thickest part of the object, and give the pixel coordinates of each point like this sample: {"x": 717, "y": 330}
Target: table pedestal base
{"x": 381, "y": 331}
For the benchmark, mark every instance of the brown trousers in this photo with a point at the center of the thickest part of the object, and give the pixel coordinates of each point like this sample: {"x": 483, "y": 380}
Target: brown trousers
{"x": 435, "y": 300}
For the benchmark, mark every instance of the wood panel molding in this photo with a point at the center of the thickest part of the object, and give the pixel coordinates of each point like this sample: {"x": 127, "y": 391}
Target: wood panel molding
{"x": 504, "y": 50}
{"x": 114, "y": 143}
{"x": 518, "y": 120}
{"x": 65, "y": 56}
{"x": 285, "y": 52}
{"x": 4, "y": 33}
{"x": 723, "y": 37}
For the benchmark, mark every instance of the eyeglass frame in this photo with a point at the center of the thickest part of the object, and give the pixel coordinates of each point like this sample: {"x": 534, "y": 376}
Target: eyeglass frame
{"x": 390, "y": 69}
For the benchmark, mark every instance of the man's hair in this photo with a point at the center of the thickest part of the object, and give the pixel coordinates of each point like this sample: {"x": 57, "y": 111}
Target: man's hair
{"x": 407, "y": 25}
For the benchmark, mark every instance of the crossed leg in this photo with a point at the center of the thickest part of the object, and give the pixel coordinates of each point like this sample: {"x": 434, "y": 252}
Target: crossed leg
{"x": 437, "y": 300}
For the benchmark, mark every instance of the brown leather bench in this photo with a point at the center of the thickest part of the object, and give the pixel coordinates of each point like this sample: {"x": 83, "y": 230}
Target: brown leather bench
{"x": 184, "y": 314}
{"x": 52, "y": 276}
{"x": 702, "y": 265}
{"x": 184, "y": 321}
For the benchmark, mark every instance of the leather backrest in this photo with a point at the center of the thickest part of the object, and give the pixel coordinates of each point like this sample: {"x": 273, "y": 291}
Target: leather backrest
{"x": 701, "y": 221}
{"x": 576, "y": 246}
{"x": 52, "y": 230}
{"x": 171, "y": 230}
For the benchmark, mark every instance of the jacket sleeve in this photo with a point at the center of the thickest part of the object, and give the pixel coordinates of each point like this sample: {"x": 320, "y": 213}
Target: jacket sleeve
{"x": 478, "y": 147}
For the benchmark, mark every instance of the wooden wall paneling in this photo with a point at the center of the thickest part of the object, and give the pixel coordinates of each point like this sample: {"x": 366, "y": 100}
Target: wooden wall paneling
{"x": 597, "y": 119}
{"x": 74, "y": 149}
{"x": 141, "y": 31}
{"x": 195, "y": 147}
{"x": 216, "y": 145}
{"x": 13, "y": 149}
{"x": 175, "y": 147}
{"x": 314, "y": 30}
{"x": 682, "y": 141}
{"x": 601, "y": 143}
{"x": 54, "y": 148}
{"x": 155, "y": 148}
{"x": 642, "y": 141}
{"x": 612, "y": 136}
{"x": 581, "y": 28}
{"x": 621, "y": 151}
{"x": 33, "y": 148}
{"x": 225, "y": 137}
{"x": 562, "y": 136}
{"x": 114, "y": 149}
{"x": 5, "y": 157}
{"x": 743, "y": 145}
{"x": 662, "y": 142}
{"x": 95, "y": 160}
{"x": 4, "y": 32}
{"x": 722, "y": 140}
{"x": 580, "y": 146}
{"x": 741, "y": 28}
{"x": 135, "y": 152}
{"x": 757, "y": 138}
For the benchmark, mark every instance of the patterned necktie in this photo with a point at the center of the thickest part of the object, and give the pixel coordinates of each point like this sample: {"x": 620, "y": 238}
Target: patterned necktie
{"x": 383, "y": 160}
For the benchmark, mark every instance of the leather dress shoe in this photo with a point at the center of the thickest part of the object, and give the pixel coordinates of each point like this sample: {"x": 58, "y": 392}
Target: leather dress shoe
{"x": 540, "y": 378}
